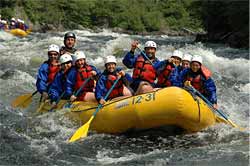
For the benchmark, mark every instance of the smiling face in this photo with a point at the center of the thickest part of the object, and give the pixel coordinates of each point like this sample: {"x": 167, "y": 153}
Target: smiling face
{"x": 110, "y": 67}
{"x": 185, "y": 64}
{"x": 70, "y": 42}
{"x": 80, "y": 63}
{"x": 53, "y": 56}
{"x": 195, "y": 66}
{"x": 176, "y": 60}
{"x": 150, "y": 51}
{"x": 66, "y": 66}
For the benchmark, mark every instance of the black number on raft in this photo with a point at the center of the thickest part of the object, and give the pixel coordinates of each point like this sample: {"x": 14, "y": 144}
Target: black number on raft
{"x": 150, "y": 96}
{"x": 138, "y": 99}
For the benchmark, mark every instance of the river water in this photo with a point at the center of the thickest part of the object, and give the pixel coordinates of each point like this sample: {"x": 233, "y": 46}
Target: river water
{"x": 27, "y": 138}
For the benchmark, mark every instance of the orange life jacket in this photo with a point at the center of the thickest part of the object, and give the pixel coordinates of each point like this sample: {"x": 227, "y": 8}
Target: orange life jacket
{"x": 197, "y": 82}
{"x": 53, "y": 69}
{"x": 82, "y": 74}
{"x": 118, "y": 89}
{"x": 163, "y": 80}
{"x": 144, "y": 70}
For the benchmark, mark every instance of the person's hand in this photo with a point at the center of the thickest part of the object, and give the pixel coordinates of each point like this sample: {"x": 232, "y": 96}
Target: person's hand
{"x": 93, "y": 73}
{"x": 102, "y": 101}
{"x": 134, "y": 45}
{"x": 45, "y": 96}
{"x": 170, "y": 60}
{"x": 187, "y": 83}
{"x": 215, "y": 106}
{"x": 121, "y": 73}
{"x": 73, "y": 98}
{"x": 53, "y": 105}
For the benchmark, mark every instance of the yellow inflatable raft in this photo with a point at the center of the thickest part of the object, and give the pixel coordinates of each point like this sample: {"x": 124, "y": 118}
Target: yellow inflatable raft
{"x": 19, "y": 32}
{"x": 170, "y": 106}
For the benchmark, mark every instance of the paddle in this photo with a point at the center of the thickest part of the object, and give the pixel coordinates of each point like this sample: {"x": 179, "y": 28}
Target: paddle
{"x": 83, "y": 130}
{"x": 143, "y": 53}
{"x": 69, "y": 103}
{"x": 216, "y": 110}
{"x": 57, "y": 101}
{"x": 23, "y": 101}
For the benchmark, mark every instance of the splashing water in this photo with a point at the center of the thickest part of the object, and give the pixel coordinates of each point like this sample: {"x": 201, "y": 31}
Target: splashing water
{"x": 31, "y": 139}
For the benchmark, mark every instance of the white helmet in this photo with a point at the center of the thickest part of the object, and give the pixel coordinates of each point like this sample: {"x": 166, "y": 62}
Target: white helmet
{"x": 177, "y": 53}
{"x": 187, "y": 57}
{"x": 65, "y": 58}
{"x": 197, "y": 58}
{"x": 78, "y": 55}
{"x": 110, "y": 59}
{"x": 13, "y": 19}
{"x": 53, "y": 47}
{"x": 150, "y": 44}
{"x": 4, "y": 22}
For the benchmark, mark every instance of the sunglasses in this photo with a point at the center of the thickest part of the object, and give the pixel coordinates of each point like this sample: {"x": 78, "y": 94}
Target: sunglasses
{"x": 51, "y": 54}
{"x": 67, "y": 62}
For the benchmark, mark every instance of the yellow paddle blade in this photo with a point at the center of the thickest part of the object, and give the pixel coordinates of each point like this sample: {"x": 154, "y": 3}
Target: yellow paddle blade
{"x": 82, "y": 131}
{"x": 41, "y": 107}
{"x": 235, "y": 125}
{"x": 22, "y": 101}
{"x": 222, "y": 120}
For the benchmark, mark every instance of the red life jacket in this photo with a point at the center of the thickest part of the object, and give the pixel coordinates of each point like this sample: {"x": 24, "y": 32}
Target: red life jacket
{"x": 21, "y": 26}
{"x": 118, "y": 89}
{"x": 197, "y": 82}
{"x": 163, "y": 76}
{"x": 144, "y": 70}
{"x": 53, "y": 69}
{"x": 82, "y": 74}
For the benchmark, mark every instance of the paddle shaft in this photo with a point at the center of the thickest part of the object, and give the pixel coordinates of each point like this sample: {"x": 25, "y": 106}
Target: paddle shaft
{"x": 209, "y": 103}
{"x": 31, "y": 96}
{"x": 143, "y": 53}
{"x": 57, "y": 101}
{"x": 83, "y": 130}
{"x": 68, "y": 104}
{"x": 34, "y": 93}
{"x": 82, "y": 86}
{"x": 106, "y": 96}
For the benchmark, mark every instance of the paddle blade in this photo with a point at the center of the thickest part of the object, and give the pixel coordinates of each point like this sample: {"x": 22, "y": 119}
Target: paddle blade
{"x": 222, "y": 120}
{"x": 22, "y": 101}
{"x": 41, "y": 107}
{"x": 82, "y": 131}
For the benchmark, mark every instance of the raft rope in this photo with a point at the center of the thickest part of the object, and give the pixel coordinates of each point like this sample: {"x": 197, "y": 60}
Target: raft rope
{"x": 197, "y": 101}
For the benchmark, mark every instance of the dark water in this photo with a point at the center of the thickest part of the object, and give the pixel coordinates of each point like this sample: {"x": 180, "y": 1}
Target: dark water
{"x": 27, "y": 138}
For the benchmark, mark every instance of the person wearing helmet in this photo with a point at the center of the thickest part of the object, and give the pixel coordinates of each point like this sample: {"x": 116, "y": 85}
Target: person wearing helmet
{"x": 200, "y": 78}
{"x": 69, "y": 43}
{"x": 78, "y": 75}
{"x": 185, "y": 63}
{"x": 58, "y": 85}
{"x": 107, "y": 79}
{"x": 144, "y": 70}
{"x": 20, "y": 24}
{"x": 166, "y": 68}
{"x": 12, "y": 23}
{"x": 4, "y": 25}
{"x": 47, "y": 71}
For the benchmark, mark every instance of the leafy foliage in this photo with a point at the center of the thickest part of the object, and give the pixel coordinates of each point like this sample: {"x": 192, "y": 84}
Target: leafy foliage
{"x": 134, "y": 15}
